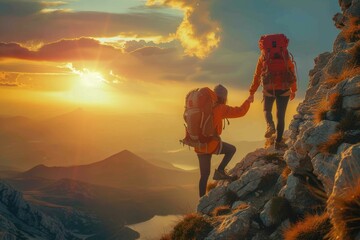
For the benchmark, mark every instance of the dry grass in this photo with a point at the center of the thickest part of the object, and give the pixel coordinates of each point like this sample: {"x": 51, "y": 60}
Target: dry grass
{"x": 332, "y": 144}
{"x": 347, "y": 73}
{"x": 320, "y": 111}
{"x": 351, "y": 32}
{"x": 346, "y": 217}
{"x": 221, "y": 210}
{"x": 210, "y": 186}
{"x": 166, "y": 237}
{"x": 335, "y": 101}
{"x": 242, "y": 207}
{"x": 285, "y": 173}
{"x": 192, "y": 226}
{"x": 313, "y": 227}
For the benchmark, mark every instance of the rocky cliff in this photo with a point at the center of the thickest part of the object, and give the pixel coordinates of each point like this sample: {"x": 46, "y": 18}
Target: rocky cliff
{"x": 21, "y": 220}
{"x": 312, "y": 189}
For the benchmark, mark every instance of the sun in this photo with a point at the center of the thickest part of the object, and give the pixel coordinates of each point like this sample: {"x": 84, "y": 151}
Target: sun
{"x": 91, "y": 79}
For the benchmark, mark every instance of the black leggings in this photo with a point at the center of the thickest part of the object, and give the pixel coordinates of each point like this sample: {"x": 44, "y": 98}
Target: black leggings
{"x": 205, "y": 165}
{"x": 281, "y": 104}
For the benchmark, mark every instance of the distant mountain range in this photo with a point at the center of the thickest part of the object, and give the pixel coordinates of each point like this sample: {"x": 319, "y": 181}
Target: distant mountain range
{"x": 80, "y": 137}
{"x": 95, "y": 199}
{"x": 123, "y": 169}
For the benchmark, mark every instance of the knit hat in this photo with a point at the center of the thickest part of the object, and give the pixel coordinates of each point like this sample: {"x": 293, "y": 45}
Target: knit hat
{"x": 221, "y": 91}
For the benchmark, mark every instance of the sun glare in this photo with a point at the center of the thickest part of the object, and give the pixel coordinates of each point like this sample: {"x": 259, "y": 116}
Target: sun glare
{"x": 92, "y": 79}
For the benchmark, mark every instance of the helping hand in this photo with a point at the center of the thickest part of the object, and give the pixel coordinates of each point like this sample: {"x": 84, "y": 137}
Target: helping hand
{"x": 292, "y": 96}
{"x": 250, "y": 98}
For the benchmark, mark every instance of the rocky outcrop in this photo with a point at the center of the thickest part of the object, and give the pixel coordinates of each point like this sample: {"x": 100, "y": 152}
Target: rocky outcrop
{"x": 275, "y": 189}
{"x": 21, "y": 220}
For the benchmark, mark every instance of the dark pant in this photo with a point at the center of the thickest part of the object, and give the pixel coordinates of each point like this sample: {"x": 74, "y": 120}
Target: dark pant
{"x": 205, "y": 165}
{"x": 281, "y": 104}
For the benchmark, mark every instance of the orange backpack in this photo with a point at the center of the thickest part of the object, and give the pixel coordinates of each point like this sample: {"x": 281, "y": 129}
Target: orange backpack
{"x": 199, "y": 118}
{"x": 275, "y": 69}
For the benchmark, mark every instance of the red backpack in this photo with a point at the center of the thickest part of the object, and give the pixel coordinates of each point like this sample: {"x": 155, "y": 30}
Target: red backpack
{"x": 199, "y": 118}
{"x": 275, "y": 69}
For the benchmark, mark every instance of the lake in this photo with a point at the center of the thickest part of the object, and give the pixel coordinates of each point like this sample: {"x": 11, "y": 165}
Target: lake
{"x": 157, "y": 226}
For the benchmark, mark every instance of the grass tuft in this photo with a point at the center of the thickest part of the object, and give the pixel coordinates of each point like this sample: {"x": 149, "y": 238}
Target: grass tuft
{"x": 242, "y": 206}
{"x": 221, "y": 210}
{"x": 320, "y": 111}
{"x": 346, "y": 74}
{"x": 166, "y": 237}
{"x": 192, "y": 226}
{"x": 351, "y": 32}
{"x": 313, "y": 227}
{"x": 346, "y": 217}
{"x": 210, "y": 186}
{"x": 285, "y": 172}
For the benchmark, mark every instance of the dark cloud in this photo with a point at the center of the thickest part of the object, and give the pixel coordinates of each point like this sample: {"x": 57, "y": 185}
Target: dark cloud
{"x": 19, "y": 7}
{"x": 52, "y": 26}
{"x": 64, "y": 50}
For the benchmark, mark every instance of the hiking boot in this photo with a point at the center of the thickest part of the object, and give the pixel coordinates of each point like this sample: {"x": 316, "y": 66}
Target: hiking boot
{"x": 270, "y": 130}
{"x": 280, "y": 145}
{"x": 223, "y": 175}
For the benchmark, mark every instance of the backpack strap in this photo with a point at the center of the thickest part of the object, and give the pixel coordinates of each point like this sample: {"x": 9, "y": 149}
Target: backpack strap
{"x": 296, "y": 68}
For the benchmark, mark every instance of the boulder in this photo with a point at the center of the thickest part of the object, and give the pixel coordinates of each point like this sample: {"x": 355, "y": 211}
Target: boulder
{"x": 353, "y": 10}
{"x": 275, "y": 211}
{"x": 348, "y": 171}
{"x": 349, "y": 87}
{"x": 248, "y": 161}
{"x": 339, "y": 20}
{"x": 299, "y": 196}
{"x": 251, "y": 180}
{"x": 325, "y": 168}
{"x": 337, "y": 64}
{"x": 234, "y": 226}
{"x": 215, "y": 198}
{"x": 298, "y": 163}
{"x": 317, "y": 135}
{"x": 351, "y": 102}
{"x": 345, "y": 4}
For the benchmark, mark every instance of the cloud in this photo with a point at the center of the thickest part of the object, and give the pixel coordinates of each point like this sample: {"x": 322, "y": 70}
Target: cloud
{"x": 23, "y": 21}
{"x": 148, "y": 63}
{"x": 65, "y": 50}
{"x": 198, "y": 33}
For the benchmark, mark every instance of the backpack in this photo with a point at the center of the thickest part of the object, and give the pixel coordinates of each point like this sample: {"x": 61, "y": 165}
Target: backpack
{"x": 275, "y": 69}
{"x": 199, "y": 119}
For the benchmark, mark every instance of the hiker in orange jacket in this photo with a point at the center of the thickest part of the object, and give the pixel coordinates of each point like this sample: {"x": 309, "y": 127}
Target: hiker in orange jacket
{"x": 216, "y": 146}
{"x": 277, "y": 90}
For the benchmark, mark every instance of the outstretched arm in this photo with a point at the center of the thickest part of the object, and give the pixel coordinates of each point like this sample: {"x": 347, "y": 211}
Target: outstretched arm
{"x": 256, "y": 80}
{"x": 235, "y": 112}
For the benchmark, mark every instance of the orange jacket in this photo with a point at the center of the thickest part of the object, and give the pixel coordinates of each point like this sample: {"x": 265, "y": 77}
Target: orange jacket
{"x": 222, "y": 111}
{"x": 256, "y": 81}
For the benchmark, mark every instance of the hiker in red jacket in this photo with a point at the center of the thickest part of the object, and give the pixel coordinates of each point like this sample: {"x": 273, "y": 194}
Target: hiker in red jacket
{"x": 276, "y": 72}
{"x": 205, "y": 111}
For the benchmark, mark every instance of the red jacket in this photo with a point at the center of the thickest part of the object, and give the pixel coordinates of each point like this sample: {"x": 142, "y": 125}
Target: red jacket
{"x": 256, "y": 81}
{"x": 222, "y": 111}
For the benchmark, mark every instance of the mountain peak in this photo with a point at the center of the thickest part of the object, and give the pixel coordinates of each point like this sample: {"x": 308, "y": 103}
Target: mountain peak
{"x": 124, "y": 156}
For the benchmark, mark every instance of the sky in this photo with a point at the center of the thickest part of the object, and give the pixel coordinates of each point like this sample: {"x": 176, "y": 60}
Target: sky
{"x": 143, "y": 56}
